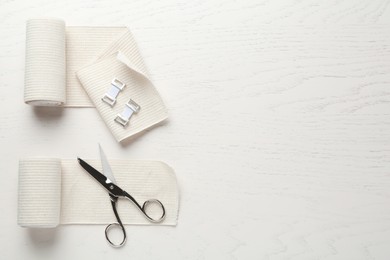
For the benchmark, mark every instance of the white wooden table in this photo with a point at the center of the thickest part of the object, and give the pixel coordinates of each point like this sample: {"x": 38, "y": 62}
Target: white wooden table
{"x": 279, "y": 128}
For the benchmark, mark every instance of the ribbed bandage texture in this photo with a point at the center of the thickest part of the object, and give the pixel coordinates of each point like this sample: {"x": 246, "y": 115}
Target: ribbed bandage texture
{"x": 54, "y": 191}
{"x": 74, "y": 67}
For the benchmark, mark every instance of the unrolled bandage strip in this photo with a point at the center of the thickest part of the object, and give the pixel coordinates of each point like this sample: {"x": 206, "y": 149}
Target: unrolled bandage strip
{"x": 54, "y": 191}
{"x": 73, "y": 66}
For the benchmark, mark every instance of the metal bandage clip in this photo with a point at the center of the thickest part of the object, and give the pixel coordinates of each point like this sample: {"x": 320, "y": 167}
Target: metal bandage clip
{"x": 112, "y": 93}
{"x": 130, "y": 108}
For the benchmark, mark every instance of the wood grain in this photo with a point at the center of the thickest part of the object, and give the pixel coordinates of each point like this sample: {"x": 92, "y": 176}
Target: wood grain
{"x": 278, "y": 129}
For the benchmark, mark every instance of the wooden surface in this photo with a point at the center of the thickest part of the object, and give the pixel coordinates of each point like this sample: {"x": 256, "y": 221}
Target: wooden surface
{"x": 279, "y": 128}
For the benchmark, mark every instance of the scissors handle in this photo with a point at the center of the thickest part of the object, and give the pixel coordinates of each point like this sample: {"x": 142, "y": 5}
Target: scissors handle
{"x": 145, "y": 205}
{"x": 113, "y": 204}
{"x": 141, "y": 208}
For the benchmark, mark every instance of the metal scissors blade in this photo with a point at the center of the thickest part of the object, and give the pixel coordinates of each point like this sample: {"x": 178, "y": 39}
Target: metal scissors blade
{"x": 107, "y": 183}
{"x": 107, "y": 180}
{"x": 106, "y": 166}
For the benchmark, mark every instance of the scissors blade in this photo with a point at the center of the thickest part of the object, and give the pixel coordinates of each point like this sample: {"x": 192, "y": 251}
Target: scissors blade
{"x": 111, "y": 187}
{"x": 106, "y": 166}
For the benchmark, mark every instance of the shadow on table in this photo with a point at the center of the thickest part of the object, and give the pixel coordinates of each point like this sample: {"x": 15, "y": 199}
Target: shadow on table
{"x": 42, "y": 237}
{"x": 137, "y": 136}
{"x": 48, "y": 113}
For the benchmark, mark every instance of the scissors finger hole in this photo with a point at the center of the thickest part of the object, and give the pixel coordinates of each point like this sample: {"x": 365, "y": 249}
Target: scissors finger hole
{"x": 115, "y": 235}
{"x": 154, "y": 210}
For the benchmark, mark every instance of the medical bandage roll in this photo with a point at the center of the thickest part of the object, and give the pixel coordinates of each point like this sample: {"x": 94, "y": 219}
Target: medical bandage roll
{"x": 39, "y": 195}
{"x": 56, "y": 192}
{"x": 45, "y": 76}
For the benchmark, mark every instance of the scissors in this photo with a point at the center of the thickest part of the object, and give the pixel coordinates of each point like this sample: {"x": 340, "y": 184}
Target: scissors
{"x": 107, "y": 180}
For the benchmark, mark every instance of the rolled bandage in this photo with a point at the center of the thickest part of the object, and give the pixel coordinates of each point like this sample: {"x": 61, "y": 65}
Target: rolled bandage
{"x": 54, "y": 192}
{"x": 45, "y": 76}
{"x": 39, "y": 199}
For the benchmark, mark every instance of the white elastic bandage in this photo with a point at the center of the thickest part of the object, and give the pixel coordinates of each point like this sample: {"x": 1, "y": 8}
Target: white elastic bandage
{"x": 54, "y": 191}
{"x": 73, "y": 67}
